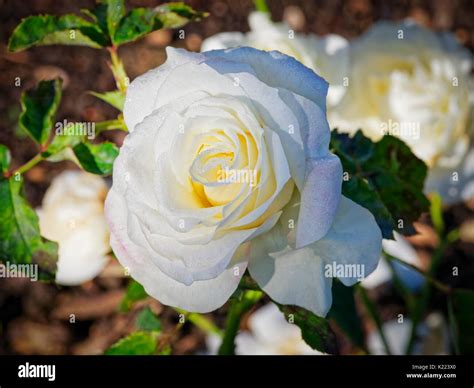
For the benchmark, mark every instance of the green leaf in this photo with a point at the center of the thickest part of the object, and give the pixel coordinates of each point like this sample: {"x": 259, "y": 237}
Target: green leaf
{"x": 148, "y": 321}
{"x": 43, "y": 30}
{"x": 99, "y": 16}
{"x": 96, "y": 158}
{"x": 177, "y": 14}
{"x": 366, "y": 195}
{"x": 314, "y": 330}
{"x": 385, "y": 177}
{"x": 138, "y": 343}
{"x": 20, "y": 239}
{"x": 115, "y": 98}
{"x": 39, "y": 108}
{"x": 61, "y": 141}
{"x": 436, "y": 213}
{"x": 4, "y": 158}
{"x": 115, "y": 12}
{"x": 461, "y": 316}
{"x": 136, "y": 24}
{"x": 141, "y": 21}
{"x": 134, "y": 293}
{"x": 344, "y": 313}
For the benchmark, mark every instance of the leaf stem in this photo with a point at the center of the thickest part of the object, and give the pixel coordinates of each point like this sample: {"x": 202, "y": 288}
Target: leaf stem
{"x": 236, "y": 311}
{"x": 110, "y": 124}
{"x": 118, "y": 70}
{"x": 200, "y": 321}
{"x": 370, "y": 307}
{"x": 423, "y": 300}
{"x": 25, "y": 167}
{"x": 436, "y": 283}
{"x": 445, "y": 239}
{"x": 261, "y": 5}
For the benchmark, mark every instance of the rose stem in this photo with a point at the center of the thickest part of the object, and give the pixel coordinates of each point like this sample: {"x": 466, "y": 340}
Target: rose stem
{"x": 236, "y": 311}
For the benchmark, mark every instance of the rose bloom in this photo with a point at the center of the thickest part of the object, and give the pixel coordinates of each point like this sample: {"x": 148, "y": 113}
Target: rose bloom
{"x": 269, "y": 334}
{"x": 187, "y": 231}
{"x": 72, "y": 215}
{"x": 327, "y": 56}
{"x": 415, "y": 84}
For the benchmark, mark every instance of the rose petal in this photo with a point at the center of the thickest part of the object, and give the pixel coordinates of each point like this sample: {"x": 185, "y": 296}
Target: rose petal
{"x": 319, "y": 199}
{"x": 290, "y": 276}
{"x": 354, "y": 238}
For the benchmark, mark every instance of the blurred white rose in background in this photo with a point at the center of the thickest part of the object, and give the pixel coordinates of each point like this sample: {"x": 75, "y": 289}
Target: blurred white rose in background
{"x": 327, "y": 56}
{"x": 270, "y": 334}
{"x": 415, "y": 84}
{"x": 72, "y": 215}
{"x": 432, "y": 336}
{"x": 399, "y": 248}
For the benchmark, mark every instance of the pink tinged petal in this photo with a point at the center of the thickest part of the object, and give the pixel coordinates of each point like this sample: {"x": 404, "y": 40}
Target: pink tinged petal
{"x": 319, "y": 199}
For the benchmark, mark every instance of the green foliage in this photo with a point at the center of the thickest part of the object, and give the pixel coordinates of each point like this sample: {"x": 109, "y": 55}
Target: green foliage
{"x": 261, "y": 5}
{"x": 20, "y": 239}
{"x": 114, "y": 98}
{"x": 436, "y": 213}
{"x": 43, "y": 30}
{"x": 5, "y": 158}
{"x": 115, "y": 10}
{"x": 239, "y": 306}
{"x": 134, "y": 293}
{"x": 177, "y": 14}
{"x": 38, "y": 109}
{"x": 343, "y": 312}
{"x": 141, "y": 21}
{"x": 148, "y": 321}
{"x": 96, "y": 158}
{"x": 138, "y": 343}
{"x": 385, "y": 177}
{"x": 109, "y": 25}
{"x": 60, "y": 143}
{"x": 461, "y": 316}
{"x": 315, "y": 330}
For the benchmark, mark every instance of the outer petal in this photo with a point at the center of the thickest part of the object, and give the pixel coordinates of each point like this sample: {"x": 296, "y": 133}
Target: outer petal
{"x": 297, "y": 276}
{"x": 354, "y": 238}
{"x": 319, "y": 199}
{"x": 200, "y": 296}
{"x": 141, "y": 93}
{"x": 294, "y": 277}
{"x": 278, "y": 70}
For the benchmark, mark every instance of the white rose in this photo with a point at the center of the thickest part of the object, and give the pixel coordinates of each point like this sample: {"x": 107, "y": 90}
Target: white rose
{"x": 72, "y": 214}
{"x": 412, "y": 83}
{"x": 188, "y": 235}
{"x": 399, "y": 248}
{"x": 269, "y": 334}
{"x": 327, "y": 56}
